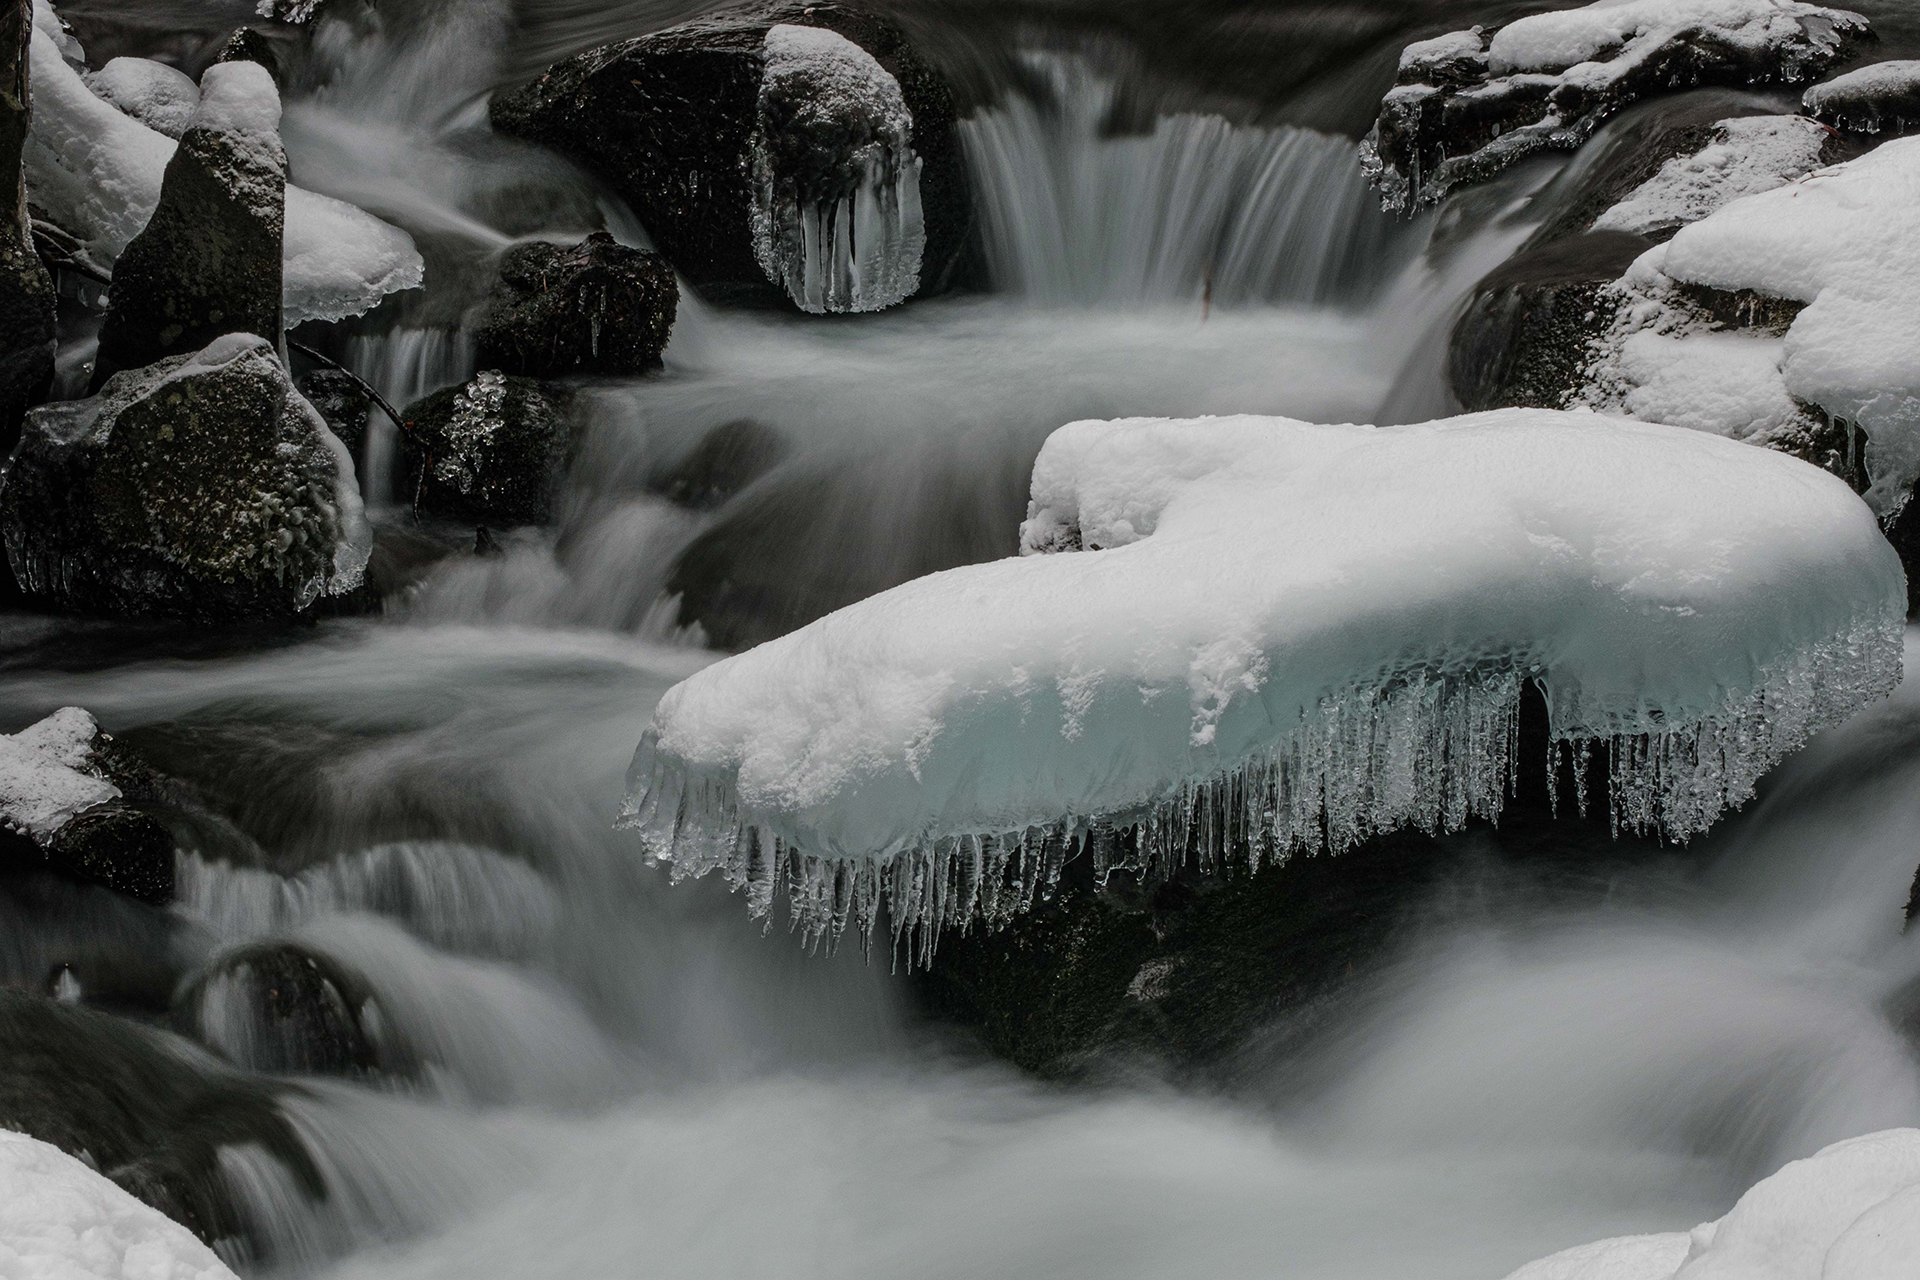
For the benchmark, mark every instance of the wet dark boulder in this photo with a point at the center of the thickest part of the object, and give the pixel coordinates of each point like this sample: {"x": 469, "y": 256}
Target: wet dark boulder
{"x": 1471, "y": 103}
{"x": 70, "y": 799}
{"x": 342, "y": 400}
{"x": 208, "y": 262}
{"x": 249, "y": 44}
{"x": 201, "y": 487}
{"x": 146, "y": 1108}
{"x": 1522, "y": 340}
{"x": 752, "y": 153}
{"x": 27, "y": 304}
{"x": 1883, "y": 97}
{"x": 281, "y": 1008}
{"x": 594, "y": 307}
{"x": 493, "y": 451}
{"x": 728, "y": 459}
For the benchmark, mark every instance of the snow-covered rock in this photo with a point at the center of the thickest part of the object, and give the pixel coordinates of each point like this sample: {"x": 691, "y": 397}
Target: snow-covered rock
{"x": 1290, "y": 637}
{"x": 836, "y": 212}
{"x": 201, "y": 486}
{"x": 97, "y": 173}
{"x": 1851, "y": 1212}
{"x": 1883, "y": 96}
{"x": 1755, "y": 153}
{"x": 1845, "y": 242}
{"x": 61, "y": 803}
{"x": 157, "y": 95}
{"x": 1469, "y": 104}
{"x": 803, "y": 148}
{"x": 60, "y": 1220}
{"x": 208, "y": 262}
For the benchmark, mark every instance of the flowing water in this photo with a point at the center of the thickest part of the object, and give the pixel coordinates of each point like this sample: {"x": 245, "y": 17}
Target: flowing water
{"x": 595, "y": 1072}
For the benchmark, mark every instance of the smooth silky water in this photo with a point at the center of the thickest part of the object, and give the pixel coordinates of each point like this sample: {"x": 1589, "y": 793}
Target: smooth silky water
{"x": 611, "y": 1075}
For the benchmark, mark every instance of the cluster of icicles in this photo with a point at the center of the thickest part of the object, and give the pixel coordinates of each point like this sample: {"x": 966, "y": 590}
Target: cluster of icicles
{"x": 1420, "y": 751}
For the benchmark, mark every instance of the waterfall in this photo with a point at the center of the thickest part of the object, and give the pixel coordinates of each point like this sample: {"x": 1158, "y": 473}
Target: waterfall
{"x": 1196, "y": 206}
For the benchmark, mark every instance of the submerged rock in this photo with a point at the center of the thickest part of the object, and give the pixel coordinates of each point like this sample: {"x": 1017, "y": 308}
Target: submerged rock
{"x": 209, "y": 261}
{"x": 596, "y": 307}
{"x": 147, "y": 1109}
{"x": 803, "y": 146}
{"x": 1471, "y": 103}
{"x": 493, "y": 451}
{"x": 26, "y": 290}
{"x": 203, "y": 486}
{"x": 1883, "y": 97}
{"x": 62, "y": 801}
{"x": 281, "y": 1008}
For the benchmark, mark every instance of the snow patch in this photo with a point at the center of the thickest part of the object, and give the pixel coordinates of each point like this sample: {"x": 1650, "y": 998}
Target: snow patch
{"x": 1294, "y": 637}
{"x": 42, "y": 783}
{"x": 157, "y": 95}
{"x": 1756, "y": 153}
{"x": 97, "y": 173}
{"x": 60, "y": 1220}
{"x": 836, "y": 219}
{"x": 1851, "y": 1212}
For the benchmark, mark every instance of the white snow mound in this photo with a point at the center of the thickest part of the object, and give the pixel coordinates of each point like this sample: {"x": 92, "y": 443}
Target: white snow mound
{"x": 1747, "y": 155}
{"x": 1601, "y": 40}
{"x": 157, "y": 95}
{"x": 1281, "y": 637}
{"x": 59, "y": 1220}
{"x": 97, "y": 172}
{"x": 43, "y": 779}
{"x": 1851, "y": 1212}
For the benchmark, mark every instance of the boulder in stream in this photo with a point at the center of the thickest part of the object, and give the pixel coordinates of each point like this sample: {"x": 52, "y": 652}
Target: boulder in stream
{"x": 281, "y": 1008}
{"x": 492, "y": 451}
{"x": 595, "y": 307}
{"x": 26, "y": 290}
{"x": 203, "y": 486}
{"x": 1881, "y": 98}
{"x": 209, "y": 261}
{"x": 806, "y": 147}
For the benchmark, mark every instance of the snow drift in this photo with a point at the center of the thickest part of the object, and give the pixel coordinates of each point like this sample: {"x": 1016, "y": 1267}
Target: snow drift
{"x": 1272, "y": 638}
{"x": 60, "y": 1220}
{"x": 1851, "y": 1212}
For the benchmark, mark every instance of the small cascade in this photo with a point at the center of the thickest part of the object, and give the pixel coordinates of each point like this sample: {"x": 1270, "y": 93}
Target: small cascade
{"x": 1197, "y": 208}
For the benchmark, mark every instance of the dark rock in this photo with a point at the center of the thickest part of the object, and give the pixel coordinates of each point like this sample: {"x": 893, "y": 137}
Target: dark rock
{"x": 1881, "y": 98}
{"x": 120, "y": 953}
{"x": 147, "y": 1109}
{"x": 27, "y": 302}
{"x": 68, "y": 799}
{"x": 209, "y": 261}
{"x": 202, "y": 487}
{"x": 1455, "y": 118}
{"x": 1522, "y": 340}
{"x": 728, "y": 459}
{"x": 597, "y": 307}
{"x": 492, "y": 451}
{"x": 485, "y": 545}
{"x": 1913, "y": 901}
{"x": 671, "y": 120}
{"x": 250, "y": 45}
{"x": 1903, "y": 531}
{"x": 280, "y": 1008}
{"x": 342, "y": 400}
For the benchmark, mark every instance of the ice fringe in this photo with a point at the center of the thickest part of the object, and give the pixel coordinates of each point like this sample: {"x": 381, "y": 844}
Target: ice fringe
{"x": 836, "y": 218}
{"x": 1421, "y": 749}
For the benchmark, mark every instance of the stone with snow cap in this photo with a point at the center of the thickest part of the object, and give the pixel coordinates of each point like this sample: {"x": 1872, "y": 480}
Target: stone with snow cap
{"x": 208, "y": 262}
{"x": 203, "y": 486}
{"x": 96, "y": 172}
{"x": 1883, "y": 97}
{"x": 1290, "y": 637}
{"x": 1470, "y": 104}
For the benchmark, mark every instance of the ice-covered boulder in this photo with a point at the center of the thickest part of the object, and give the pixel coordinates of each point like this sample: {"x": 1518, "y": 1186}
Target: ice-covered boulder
{"x": 1277, "y": 637}
{"x": 63, "y": 802}
{"x": 1792, "y": 302}
{"x": 208, "y": 262}
{"x": 492, "y": 451}
{"x": 1469, "y": 104}
{"x": 1744, "y": 156}
{"x": 594, "y": 307}
{"x": 157, "y": 95}
{"x": 202, "y": 486}
{"x": 1851, "y": 1212}
{"x": 97, "y": 173}
{"x": 1883, "y": 97}
{"x": 26, "y": 290}
{"x": 60, "y": 1220}
{"x": 803, "y": 147}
